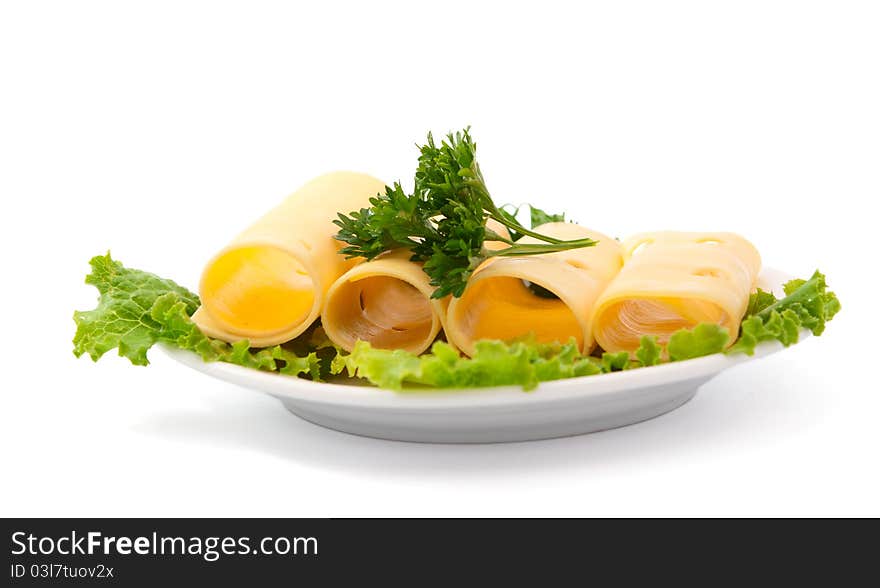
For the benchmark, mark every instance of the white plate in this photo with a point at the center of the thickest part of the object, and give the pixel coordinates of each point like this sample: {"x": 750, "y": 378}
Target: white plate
{"x": 485, "y": 415}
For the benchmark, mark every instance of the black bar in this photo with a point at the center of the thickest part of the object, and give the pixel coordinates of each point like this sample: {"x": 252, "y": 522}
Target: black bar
{"x": 233, "y": 551}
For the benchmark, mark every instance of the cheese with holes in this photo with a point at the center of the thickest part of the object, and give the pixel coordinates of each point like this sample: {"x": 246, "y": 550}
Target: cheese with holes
{"x": 676, "y": 280}
{"x": 548, "y": 296}
{"x": 269, "y": 284}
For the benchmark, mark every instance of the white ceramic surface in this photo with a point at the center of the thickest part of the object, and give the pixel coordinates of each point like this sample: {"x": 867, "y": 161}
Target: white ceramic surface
{"x": 486, "y": 415}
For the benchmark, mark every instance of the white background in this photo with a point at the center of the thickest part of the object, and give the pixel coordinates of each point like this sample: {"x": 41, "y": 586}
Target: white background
{"x": 159, "y": 129}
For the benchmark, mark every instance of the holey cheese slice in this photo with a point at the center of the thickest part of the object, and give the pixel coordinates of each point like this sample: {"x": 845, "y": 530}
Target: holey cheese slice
{"x": 549, "y": 296}
{"x": 269, "y": 284}
{"x": 676, "y": 280}
{"x": 386, "y": 302}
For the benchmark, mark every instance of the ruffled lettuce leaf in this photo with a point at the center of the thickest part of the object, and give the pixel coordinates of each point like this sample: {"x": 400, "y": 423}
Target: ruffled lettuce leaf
{"x": 494, "y": 363}
{"x": 783, "y": 327}
{"x": 615, "y": 362}
{"x": 519, "y": 363}
{"x": 808, "y": 304}
{"x": 137, "y": 309}
{"x": 704, "y": 339}
{"x": 650, "y": 352}
{"x": 758, "y": 301}
{"x": 123, "y": 318}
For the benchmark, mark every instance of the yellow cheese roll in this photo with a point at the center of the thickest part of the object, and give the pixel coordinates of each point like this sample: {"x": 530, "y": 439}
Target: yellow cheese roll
{"x": 676, "y": 280}
{"x": 549, "y": 296}
{"x": 269, "y": 284}
{"x": 386, "y": 302}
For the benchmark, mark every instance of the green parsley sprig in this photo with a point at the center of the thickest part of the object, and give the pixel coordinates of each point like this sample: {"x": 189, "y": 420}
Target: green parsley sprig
{"x": 443, "y": 221}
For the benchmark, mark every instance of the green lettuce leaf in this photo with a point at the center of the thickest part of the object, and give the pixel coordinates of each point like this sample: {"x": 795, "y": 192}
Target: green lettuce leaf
{"x": 650, "y": 352}
{"x": 520, "y": 363}
{"x": 808, "y": 304}
{"x": 810, "y": 300}
{"x": 783, "y": 327}
{"x": 704, "y": 339}
{"x": 759, "y": 301}
{"x": 137, "y": 309}
{"x": 123, "y": 318}
{"x": 615, "y": 362}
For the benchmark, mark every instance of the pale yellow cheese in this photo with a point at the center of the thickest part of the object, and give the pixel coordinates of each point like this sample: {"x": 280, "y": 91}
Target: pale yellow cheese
{"x": 269, "y": 284}
{"x": 497, "y": 304}
{"x": 676, "y": 280}
{"x": 386, "y": 302}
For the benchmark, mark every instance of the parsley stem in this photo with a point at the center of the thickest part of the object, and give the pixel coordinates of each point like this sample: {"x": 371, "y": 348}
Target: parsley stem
{"x": 493, "y": 236}
{"x": 521, "y": 229}
{"x": 538, "y": 248}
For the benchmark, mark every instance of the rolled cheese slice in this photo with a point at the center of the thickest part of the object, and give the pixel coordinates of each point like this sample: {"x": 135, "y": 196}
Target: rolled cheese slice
{"x": 498, "y": 303}
{"x": 269, "y": 284}
{"x": 386, "y": 302}
{"x": 676, "y": 280}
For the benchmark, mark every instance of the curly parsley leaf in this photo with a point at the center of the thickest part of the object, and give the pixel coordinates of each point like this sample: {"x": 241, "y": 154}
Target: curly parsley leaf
{"x": 539, "y": 217}
{"x": 443, "y": 222}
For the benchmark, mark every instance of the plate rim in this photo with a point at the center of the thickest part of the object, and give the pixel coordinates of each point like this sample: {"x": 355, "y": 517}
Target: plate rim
{"x": 300, "y": 389}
